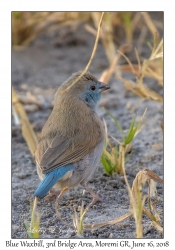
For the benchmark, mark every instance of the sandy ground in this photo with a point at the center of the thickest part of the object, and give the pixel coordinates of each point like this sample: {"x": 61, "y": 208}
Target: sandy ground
{"x": 40, "y": 69}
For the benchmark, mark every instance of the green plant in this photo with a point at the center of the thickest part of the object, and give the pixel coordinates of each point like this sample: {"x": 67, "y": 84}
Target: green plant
{"x": 127, "y": 23}
{"x": 109, "y": 160}
{"x": 78, "y": 219}
{"x": 112, "y": 158}
{"x": 33, "y": 228}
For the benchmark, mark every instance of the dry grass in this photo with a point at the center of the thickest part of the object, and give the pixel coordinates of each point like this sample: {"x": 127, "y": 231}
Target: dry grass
{"x": 116, "y": 162}
{"x": 106, "y": 74}
{"x": 106, "y": 34}
{"x": 27, "y": 25}
{"x": 92, "y": 55}
{"x": 137, "y": 199}
{"x": 151, "y": 67}
{"x": 78, "y": 219}
{"x": 137, "y": 204}
{"x": 21, "y": 117}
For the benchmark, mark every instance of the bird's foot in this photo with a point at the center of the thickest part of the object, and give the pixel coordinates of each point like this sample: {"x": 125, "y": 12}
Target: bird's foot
{"x": 52, "y": 194}
{"x": 96, "y": 198}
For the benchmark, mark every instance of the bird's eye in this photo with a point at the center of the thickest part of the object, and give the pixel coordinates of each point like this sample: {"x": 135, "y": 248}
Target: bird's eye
{"x": 93, "y": 88}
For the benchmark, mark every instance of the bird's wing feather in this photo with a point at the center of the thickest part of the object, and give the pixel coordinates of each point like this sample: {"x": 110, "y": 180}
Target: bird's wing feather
{"x": 60, "y": 152}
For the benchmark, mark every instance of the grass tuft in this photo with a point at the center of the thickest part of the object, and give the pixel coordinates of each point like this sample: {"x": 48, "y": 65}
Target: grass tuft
{"x": 111, "y": 158}
{"x": 33, "y": 228}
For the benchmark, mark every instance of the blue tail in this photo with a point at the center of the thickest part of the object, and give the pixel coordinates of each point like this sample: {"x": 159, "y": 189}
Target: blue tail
{"x": 51, "y": 179}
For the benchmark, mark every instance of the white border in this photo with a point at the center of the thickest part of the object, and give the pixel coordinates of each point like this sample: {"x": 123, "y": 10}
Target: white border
{"x": 5, "y": 95}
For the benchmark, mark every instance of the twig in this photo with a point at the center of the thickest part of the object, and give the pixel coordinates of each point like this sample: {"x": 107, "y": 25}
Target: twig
{"x": 27, "y": 130}
{"x": 92, "y": 55}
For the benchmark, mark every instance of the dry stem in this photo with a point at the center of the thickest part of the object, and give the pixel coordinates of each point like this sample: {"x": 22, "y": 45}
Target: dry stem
{"x": 92, "y": 56}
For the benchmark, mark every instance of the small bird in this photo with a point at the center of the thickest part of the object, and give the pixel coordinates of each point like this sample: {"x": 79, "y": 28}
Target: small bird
{"x": 72, "y": 138}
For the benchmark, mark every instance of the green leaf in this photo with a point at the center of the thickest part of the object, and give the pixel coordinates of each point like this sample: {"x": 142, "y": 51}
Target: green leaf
{"x": 26, "y": 223}
{"x": 127, "y": 19}
{"x": 118, "y": 125}
{"x": 117, "y": 153}
{"x": 132, "y": 131}
{"x": 107, "y": 164}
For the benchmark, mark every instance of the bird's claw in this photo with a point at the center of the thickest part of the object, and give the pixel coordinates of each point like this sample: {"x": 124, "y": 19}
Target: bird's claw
{"x": 52, "y": 194}
{"x": 96, "y": 198}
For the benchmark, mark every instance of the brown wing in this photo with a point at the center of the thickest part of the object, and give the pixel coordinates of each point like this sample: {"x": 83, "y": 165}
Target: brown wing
{"x": 62, "y": 151}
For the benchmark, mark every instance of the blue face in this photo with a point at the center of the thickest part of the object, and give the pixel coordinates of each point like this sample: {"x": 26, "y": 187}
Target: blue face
{"x": 92, "y": 94}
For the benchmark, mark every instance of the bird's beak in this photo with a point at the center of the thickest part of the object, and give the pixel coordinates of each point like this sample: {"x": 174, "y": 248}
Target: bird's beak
{"x": 103, "y": 86}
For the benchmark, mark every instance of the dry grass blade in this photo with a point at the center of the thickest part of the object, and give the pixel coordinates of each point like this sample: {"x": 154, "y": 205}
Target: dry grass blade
{"x": 137, "y": 200}
{"x": 152, "y": 67}
{"x": 153, "y": 71}
{"x": 92, "y": 55}
{"x": 137, "y": 212}
{"x": 15, "y": 116}
{"x": 128, "y": 61}
{"x": 90, "y": 29}
{"x": 29, "y": 99}
{"x": 27, "y": 130}
{"x": 106, "y": 75}
{"x": 142, "y": 177}
{"x": 26, "y": 25}
{"x": 155, "y": 220}
{"x": 79, "y": 226}
{"x": 106, "y": 134}
{"x": 143, "y": 91}
{"x": 78, "y": 219}
{"x": 152, "y": 175}
{"x": 106, "y": 34}
{"x": 152, "y": 191}
{"x": 157, "y": 226}
{"x": 157, "y": 51}
{"x": 150, "y": 23}
{"x": 139, "y": 182}
{"x": 136, "y": 207}
{"x": 111, "y": 222}
{"x": 120, "y": 143}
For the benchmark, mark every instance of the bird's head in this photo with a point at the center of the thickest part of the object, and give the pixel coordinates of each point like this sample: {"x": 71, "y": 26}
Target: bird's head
{"x": 88, "y": 88}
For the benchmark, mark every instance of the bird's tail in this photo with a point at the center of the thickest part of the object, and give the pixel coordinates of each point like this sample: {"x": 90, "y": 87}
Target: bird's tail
{"x": 51, "y": 179}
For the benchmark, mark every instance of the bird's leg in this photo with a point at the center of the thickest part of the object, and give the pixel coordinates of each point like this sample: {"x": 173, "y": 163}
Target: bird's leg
{"x": 58, "y": 198}
{"x": 61, "y": 193}
{"x": 96, "y": 197}
{"x": 51, "y": 194}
